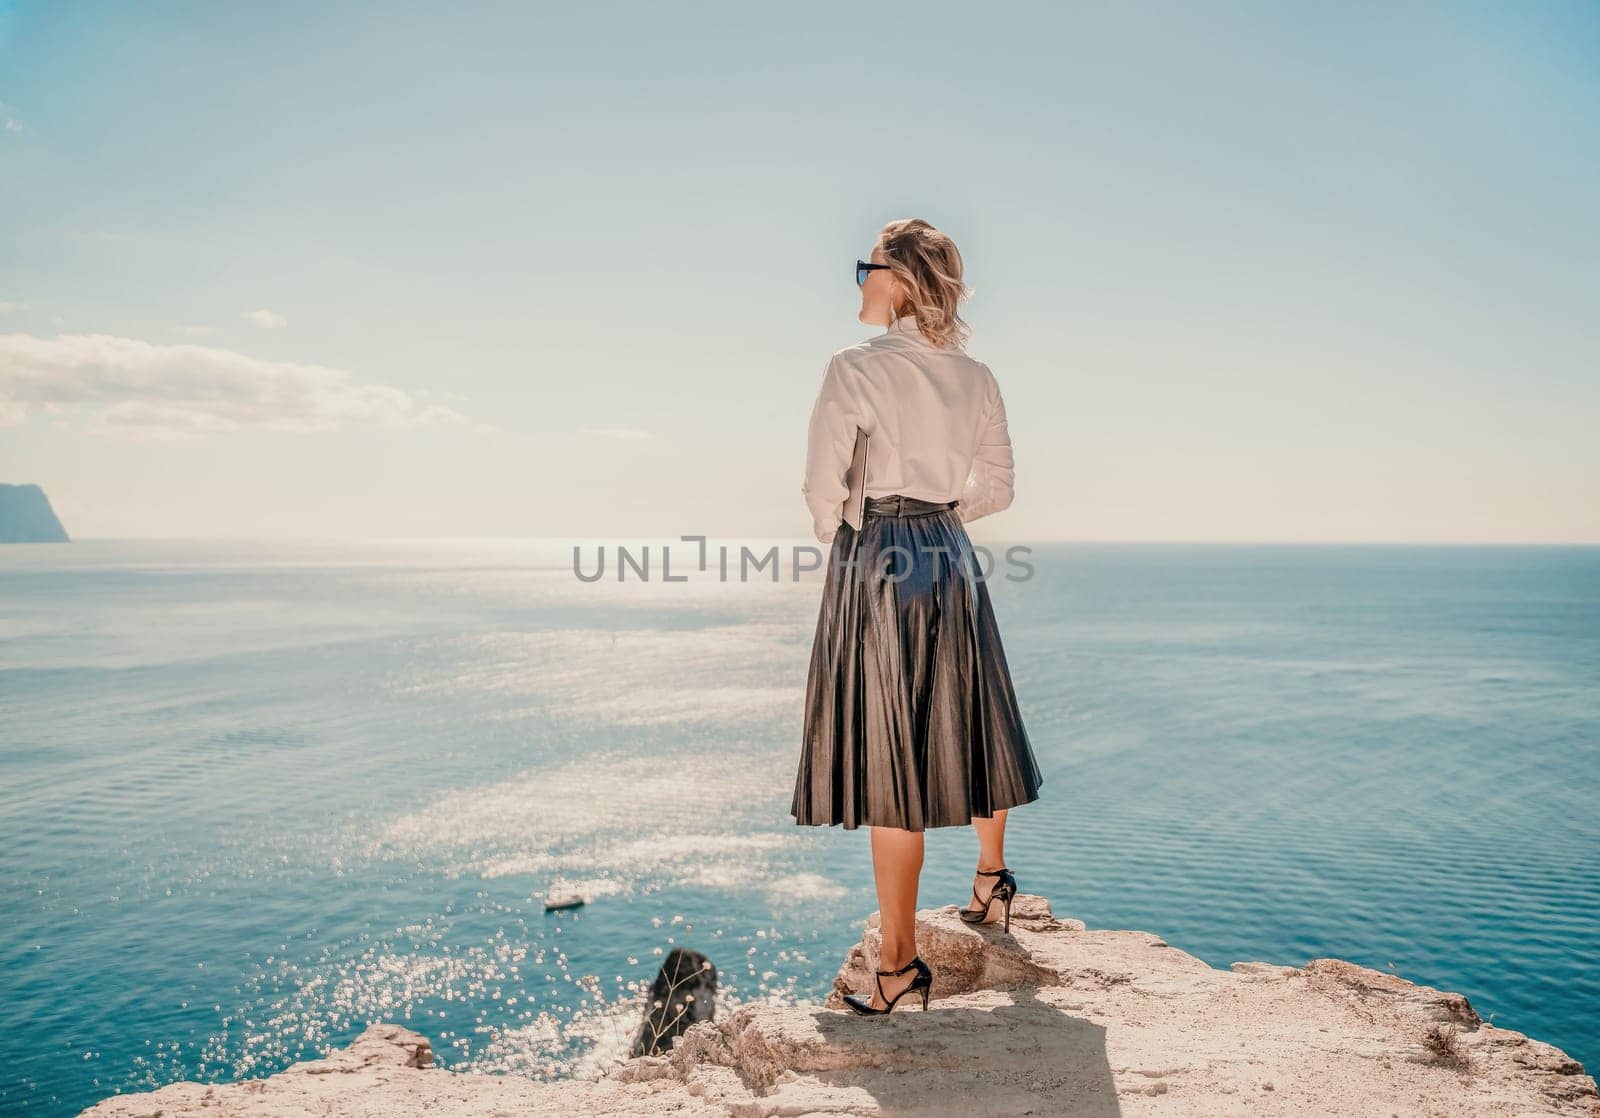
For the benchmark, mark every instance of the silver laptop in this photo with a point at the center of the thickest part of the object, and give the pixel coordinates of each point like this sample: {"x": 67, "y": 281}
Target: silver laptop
{"x": 856, "y": 479}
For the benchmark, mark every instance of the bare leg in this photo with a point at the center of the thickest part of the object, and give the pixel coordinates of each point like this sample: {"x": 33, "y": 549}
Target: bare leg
{"x": 991, "y": 853}
{"x": 897, "y": 866}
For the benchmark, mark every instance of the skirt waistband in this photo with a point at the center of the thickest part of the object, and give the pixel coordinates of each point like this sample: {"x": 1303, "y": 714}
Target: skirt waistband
{"x": 900, "y": 506}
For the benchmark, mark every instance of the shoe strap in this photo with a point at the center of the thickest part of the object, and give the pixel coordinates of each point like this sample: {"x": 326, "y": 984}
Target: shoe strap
{"x": 989, "y": 873}
{"x": 915, "y": 960}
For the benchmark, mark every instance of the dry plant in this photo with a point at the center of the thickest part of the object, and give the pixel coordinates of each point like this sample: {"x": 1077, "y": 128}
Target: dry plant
{"x": 1444, "y": 1047}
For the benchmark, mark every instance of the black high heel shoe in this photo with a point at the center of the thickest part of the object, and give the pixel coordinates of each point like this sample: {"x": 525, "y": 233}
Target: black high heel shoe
{"x": 1004, "y": 890}
{"x": 923, "y": 982}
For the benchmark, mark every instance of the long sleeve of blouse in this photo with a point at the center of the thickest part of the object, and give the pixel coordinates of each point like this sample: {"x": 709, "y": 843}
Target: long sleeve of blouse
{"x": 992, "y": 483}
{"x": 830, "y": 441}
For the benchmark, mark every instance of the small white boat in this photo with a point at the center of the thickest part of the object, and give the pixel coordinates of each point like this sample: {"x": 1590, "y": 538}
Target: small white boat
{"x": 562, "y": 900}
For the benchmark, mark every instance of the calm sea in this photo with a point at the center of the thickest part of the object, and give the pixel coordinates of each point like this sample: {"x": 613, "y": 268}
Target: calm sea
{"x": 254, "y": 796}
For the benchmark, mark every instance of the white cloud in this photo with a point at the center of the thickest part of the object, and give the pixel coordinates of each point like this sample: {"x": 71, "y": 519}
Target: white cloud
{"x": 267, "y": 320}
{"x": 188, "y": 390}
{"x": 614, "y": 432}
{"x": 6, "y": 307}
{"x": 8, "y": 120}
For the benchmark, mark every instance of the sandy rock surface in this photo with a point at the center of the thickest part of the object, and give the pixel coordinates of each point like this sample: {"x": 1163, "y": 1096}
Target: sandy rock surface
{"x": 1052, "y": 1019}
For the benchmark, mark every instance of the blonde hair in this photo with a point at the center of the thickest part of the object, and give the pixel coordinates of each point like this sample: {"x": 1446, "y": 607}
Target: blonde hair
{"x": 928, "y": 266}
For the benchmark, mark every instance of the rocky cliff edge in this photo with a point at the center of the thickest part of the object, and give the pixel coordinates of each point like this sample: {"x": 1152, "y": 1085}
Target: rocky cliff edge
{"x": 1050, "y": 1019}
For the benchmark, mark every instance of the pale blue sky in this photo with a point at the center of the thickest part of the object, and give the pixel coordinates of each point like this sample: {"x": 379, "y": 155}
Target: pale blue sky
{"x": 1265, "y": 271}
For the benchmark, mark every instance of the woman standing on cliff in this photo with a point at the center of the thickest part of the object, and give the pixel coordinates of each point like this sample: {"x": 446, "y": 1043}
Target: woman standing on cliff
{"x": 910, "y": 718}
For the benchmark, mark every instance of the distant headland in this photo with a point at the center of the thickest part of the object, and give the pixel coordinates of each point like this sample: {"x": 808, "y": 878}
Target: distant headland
{"x": 26, "y": 516}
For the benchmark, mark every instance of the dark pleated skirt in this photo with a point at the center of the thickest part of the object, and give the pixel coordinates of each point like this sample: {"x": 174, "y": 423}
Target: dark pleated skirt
{"x": 910, "y": 717}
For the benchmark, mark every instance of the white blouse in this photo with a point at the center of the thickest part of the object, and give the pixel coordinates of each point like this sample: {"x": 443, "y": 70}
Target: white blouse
{"x": 936, "y": 420}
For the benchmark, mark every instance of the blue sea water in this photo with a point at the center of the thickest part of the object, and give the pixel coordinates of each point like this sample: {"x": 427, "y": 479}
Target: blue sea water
{"x": 254, "y": 796}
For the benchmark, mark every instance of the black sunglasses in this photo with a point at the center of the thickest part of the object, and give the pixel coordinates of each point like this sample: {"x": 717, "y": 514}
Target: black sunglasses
{"x": 862, "y": 268}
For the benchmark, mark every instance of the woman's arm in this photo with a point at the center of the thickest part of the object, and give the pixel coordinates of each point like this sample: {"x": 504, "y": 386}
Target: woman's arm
{"x": 830, "y": 441}
{"x": 992, "y": 483}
